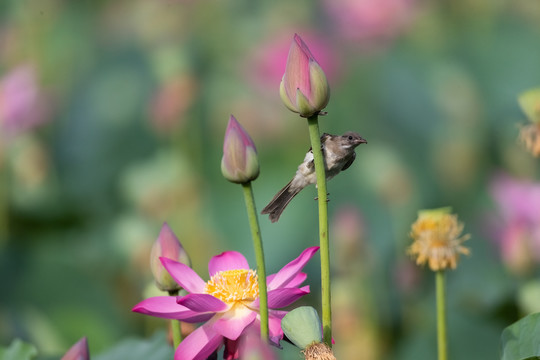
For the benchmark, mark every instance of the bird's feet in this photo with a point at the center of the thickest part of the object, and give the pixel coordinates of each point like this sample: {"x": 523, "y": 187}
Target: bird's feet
{"x": 327, "y": 199}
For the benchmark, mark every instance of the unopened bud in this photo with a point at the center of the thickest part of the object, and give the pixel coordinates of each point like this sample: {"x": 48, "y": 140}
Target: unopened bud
{"x": 167, "y": 245}
{"x": 240, "y": 163}
{"x": 79, "y": 351}
{"x": 304, "y": 88}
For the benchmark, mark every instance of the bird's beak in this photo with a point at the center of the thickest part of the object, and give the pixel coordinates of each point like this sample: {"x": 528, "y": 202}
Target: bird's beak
{"x": 361, "y": 140}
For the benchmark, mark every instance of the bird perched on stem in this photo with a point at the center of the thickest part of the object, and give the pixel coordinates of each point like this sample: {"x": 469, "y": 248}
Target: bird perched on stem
{"x": 338, "y": 152}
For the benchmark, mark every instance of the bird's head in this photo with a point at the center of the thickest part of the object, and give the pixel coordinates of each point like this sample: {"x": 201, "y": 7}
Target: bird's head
{"x": 352, "y": 139}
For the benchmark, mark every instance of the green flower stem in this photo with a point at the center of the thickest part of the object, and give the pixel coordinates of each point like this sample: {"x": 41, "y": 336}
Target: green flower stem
{"x": 313, "y": 125}
{"x": 441, "y": 315}
{"x": 259, "y": 256}
{"x": 176, "y": 326}
{"x": 4, "y": 192}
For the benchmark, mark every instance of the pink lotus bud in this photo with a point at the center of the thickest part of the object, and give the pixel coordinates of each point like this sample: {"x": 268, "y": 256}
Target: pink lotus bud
{"x": 168, "y": 246}
{"x": 240, "y": 163}
{"x": 79, "y": 351}
{"x": 22, "y": 102}
{"x": 304, "y": 88}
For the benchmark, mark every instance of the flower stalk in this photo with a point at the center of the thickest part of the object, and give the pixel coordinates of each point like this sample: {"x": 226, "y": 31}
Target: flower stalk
{"x": 259, "y": 257}
{"x": 167, "y": 245}
{"x": 313, "y": 125}
{"x": 438, "y": 243}
{"x": 441, "y": 315}
{"x": 4, "y": 191}
{"x": 304, "y": 90}
{"x": 176, "y": 325}
{"x": 240, "y": 165}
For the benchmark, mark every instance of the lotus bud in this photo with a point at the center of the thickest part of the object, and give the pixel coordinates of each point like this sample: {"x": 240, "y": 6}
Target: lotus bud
{"x": 79, "y": 351}
{"x": 240, "y": 163}
{"x": 304, "y": 88}
{"x": 168, "y": 246}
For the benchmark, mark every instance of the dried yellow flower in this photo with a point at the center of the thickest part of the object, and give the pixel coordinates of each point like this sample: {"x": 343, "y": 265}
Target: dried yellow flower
{"x": 530, "y": 137}
{"x": 529, "y": 101}
{"x": 318, "y": 351}
{"x": 437, "y": 239}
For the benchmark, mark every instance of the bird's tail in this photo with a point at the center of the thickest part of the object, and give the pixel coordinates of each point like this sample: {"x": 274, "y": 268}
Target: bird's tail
{"x": 280, "y": 201}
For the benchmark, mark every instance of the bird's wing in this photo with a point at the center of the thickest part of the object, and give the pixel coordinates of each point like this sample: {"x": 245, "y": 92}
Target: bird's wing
{"x": 324, "y": 137}
{"x": 349, "y": 163}
{"x": 308, "y": 160}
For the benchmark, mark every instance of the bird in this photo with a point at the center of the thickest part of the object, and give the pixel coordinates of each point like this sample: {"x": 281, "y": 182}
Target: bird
{"x": 338, "y": 152}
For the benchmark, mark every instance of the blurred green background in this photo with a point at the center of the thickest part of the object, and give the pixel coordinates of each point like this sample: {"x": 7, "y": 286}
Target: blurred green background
{"x": 112, "y": 116}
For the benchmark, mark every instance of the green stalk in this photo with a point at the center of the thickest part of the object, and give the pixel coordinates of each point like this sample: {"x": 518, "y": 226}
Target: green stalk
{"x": 176, "y": 326}
{"x": 313, "y": 125}
{"x": 4, "y": 198}
{"x": 441, "y": 315}
{"x": 259, "y": 256}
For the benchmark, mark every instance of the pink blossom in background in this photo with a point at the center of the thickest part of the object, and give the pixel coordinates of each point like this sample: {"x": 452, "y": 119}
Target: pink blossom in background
{"x": 518, "y": 234}
{"x": 368, "y": 21}
{"x": 517, "y": 199}
{"x": 171, "y": 101}
{"x": 349, "y": 225}
{"x": 79, "y": 351}
{"x": 228, "y": 303}
{"x": 22, "y": 105}
{"x": 349, "y": 238}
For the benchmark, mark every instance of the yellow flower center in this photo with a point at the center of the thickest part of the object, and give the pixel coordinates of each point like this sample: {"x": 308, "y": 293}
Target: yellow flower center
{"x": 234, "y": 285}
{"x": 437, "y": 241}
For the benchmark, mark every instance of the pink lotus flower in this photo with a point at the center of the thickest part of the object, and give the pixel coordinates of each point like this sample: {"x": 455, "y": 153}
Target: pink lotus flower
{"x": 370, "y": 23}
{"x": 22, "y": 104}
{"x": 240, "y": 163}
{"x": 304, "y": 88}
{"x": 167, "y": 245}
{"x": 519, "y": 231}
{"x": 228, "y": 303}
{"x": 79, "y": 351}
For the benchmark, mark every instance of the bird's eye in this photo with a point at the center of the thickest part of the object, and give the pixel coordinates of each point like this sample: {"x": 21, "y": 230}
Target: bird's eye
{"x": 350, "y": 137}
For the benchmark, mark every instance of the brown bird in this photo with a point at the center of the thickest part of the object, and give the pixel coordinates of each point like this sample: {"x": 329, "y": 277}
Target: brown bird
{"x": 338, "y": 152}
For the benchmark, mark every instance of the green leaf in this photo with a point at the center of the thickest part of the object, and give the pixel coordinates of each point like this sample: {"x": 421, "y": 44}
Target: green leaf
{"x": 521, "y": 340}
{"x": 18, "y": 350}
{"x": 155, "y": 348}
